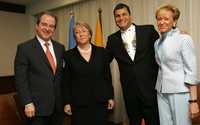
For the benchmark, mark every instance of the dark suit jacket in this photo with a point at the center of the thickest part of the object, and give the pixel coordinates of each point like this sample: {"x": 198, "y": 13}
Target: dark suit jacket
{"x": 138, "y": 77}
{"x": 35, "y": 81}
{"x": 87, "y": 82}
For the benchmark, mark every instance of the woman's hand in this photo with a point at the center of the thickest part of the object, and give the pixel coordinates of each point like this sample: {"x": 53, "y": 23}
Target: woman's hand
{"x": 67, "y": 109}
{"x": 194, "y": 109}
{"x": 111, "y": 104}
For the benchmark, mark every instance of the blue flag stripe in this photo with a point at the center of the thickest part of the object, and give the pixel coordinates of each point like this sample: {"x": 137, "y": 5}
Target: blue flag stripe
{"x": 72, "y": 42}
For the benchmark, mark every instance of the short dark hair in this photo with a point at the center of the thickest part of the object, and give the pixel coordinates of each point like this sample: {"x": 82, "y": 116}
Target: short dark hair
{"x": 121, "y": 6}
{"x": 46, "y": 13}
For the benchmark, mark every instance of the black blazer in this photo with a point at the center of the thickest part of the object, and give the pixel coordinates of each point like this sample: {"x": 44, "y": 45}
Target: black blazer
{"x": 138, "y": 77}
{"x": 35, "y": 81}
{"x": 87, "y": 82}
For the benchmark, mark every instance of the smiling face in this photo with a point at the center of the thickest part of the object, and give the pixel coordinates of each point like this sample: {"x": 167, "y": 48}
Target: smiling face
{"x": 46, "y": 27}
{"x": 82, "y": 35}
{"x": 122, "y": 18}
{"x": 165, "y": 20}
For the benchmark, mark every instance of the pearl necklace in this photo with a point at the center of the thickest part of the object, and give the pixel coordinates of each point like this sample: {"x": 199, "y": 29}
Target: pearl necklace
{"x": 85, "y": 50}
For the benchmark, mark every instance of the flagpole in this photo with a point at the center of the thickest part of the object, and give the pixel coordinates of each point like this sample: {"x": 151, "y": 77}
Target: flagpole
{"x": 71, "y": 13}
{"x": 100, "y": 19}
{"x": 71, "y": 42}
{"x": 99, "y": 33}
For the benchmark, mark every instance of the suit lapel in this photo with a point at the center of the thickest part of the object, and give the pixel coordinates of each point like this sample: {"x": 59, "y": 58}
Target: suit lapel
{"x": 140, "y": 43}
{"x": 57, "y": 54}
{"x": 138, "y": 38}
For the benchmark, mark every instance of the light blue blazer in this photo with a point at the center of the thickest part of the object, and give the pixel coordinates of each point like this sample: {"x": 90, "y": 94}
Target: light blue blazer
{"x": 176, "y": 58}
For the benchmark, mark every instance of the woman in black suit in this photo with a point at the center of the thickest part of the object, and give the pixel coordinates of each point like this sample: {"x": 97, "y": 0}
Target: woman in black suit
{"x": 87, "y": 86}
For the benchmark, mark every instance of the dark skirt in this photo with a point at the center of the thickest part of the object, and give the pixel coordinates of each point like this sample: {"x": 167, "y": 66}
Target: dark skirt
{"x": 94, "y": 114}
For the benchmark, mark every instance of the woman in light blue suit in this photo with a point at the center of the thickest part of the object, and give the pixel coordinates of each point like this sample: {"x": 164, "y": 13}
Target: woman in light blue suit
{"x": 177, "y": 78}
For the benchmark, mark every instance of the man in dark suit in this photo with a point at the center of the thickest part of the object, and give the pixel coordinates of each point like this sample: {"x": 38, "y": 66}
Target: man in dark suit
{"x": 38, "y": 72}
{"x": 133, "y": 48}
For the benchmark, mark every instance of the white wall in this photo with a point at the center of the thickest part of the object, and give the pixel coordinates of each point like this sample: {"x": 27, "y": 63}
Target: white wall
{"x": 38, "y": 6}
{"x": 14, "y": 29}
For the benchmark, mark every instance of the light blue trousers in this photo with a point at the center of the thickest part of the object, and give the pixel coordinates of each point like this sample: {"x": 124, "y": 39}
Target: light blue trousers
{"x": 173, "y": 108}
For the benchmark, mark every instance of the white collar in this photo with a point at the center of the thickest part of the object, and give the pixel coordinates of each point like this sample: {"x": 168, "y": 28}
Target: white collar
{"x": 42, "y": 42}
{"x": 85, "y": 51}
{"x": 131, "y": 28}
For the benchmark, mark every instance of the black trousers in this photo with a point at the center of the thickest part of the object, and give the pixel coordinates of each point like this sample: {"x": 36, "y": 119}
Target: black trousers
{"x": 93, "y": 114}
{"x": 138, "y": 110}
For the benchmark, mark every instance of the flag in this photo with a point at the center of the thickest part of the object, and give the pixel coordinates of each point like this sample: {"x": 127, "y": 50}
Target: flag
{"x": 99, "y": 34}
{"x": 71, "y": 41}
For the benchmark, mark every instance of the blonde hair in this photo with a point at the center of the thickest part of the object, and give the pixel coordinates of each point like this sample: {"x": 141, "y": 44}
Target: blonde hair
{"x": 168, "y": 7}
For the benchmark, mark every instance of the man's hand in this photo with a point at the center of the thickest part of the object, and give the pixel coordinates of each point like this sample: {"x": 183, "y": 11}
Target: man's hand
{"x": 29, "y": 110}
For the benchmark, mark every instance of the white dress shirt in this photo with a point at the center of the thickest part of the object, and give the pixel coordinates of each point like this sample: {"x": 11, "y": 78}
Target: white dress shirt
{"x": 129, "y": 40}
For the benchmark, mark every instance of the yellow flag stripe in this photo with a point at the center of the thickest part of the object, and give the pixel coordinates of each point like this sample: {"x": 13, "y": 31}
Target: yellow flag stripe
{"x": 98, "y": 34}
